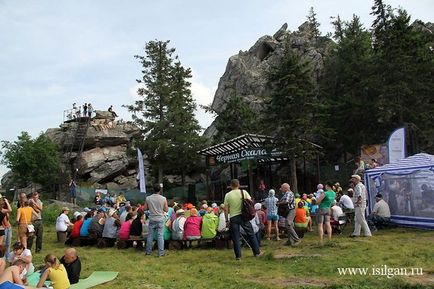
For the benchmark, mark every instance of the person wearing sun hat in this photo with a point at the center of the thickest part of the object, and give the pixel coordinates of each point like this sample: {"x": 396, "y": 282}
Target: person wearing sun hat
{"x": 63, "y": 225}
{"x": 359, "y": 208}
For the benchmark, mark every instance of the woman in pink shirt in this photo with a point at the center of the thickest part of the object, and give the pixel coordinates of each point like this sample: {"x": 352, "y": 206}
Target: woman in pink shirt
{"x": 192, "y": 226}
{"x": 124, "y": 231}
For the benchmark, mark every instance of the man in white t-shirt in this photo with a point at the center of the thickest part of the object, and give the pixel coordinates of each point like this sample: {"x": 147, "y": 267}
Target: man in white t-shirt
{"x": 380, "y": 214}
{"x": 345, "y": 201}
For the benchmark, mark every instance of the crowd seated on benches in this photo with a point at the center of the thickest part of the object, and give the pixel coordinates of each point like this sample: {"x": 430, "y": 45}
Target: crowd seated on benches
{"x": 115, "y": 220}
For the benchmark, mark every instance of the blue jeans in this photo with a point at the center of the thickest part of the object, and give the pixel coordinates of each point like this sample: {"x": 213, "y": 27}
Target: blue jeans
{"x": 234, "y": 227}
{"x": 7, "y": 240}
{"x": 155, "y": 225}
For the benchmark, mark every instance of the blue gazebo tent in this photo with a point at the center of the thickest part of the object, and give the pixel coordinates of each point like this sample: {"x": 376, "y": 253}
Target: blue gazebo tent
{"x": 408, "y": 187}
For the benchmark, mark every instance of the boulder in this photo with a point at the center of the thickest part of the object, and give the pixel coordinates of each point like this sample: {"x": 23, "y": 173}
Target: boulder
{"x": 103, "y": 114}
{"x": 94, "y": 158}
{"x": 245, "y": 73}
{"x": 108, "y": 170}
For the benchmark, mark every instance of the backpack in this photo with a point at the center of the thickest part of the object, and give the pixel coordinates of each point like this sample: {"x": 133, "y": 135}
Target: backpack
{"x": 248, "y": 211}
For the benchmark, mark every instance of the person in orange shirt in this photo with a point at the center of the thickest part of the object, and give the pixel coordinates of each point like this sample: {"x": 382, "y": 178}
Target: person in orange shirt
{"x": 24, "y": 218}
{"x": 301, "y": 221}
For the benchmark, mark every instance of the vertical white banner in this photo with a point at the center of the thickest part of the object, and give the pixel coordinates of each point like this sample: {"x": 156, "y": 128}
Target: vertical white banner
{"x": 141, "y": 178}
{"x": 396, "y": 145}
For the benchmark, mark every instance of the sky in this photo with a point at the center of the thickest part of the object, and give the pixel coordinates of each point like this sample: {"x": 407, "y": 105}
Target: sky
{"x": 54, "y": 53}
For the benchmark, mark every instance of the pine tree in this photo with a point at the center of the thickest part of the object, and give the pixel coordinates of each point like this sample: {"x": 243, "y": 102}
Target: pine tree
{"x": 347, "y": 87}
{"x": 313, "y": 24}
{"x": 165, "y": 112}
{"x": 237, "y": 118}
{"x": 293, "y": 113}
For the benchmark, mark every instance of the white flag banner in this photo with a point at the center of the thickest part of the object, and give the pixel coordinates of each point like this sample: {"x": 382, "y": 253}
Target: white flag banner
{"x": 141, "y": 177}
{"x": 396, "y": 145}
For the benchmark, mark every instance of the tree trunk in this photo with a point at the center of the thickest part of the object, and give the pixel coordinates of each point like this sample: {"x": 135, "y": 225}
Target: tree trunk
{"x": 160, "y": 174}
{"x": 293, "y": 175}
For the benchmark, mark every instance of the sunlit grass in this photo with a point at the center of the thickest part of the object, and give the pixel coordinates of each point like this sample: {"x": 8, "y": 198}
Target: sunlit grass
{"x": 309, "y": 265}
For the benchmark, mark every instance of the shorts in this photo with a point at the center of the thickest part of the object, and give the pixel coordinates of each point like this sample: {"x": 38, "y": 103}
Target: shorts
{"x": 22, "y": 230}
{"x": 323, "y": 216}
{"x": 272, "y": 218}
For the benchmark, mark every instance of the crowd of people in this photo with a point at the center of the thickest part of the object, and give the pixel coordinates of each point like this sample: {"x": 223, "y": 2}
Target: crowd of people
{"x": 85, "y": 110}
{"x": 16, "y": 260}
{"x": 114, "y": 220}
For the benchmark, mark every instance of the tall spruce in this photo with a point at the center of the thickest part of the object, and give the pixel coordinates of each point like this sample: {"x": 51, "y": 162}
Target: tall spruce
{"x": 237, "y": 118}
{"x": 293, "y": 112}
{"x": 165, "y": 112}
{"x": 313, "y": 24}
{"x": 348, "y": 89}
{"x": 403, "y": 72}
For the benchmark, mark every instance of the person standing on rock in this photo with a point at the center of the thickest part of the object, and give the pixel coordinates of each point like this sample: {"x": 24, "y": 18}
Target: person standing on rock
{"x": 72, "y": 191}
{"x": 37, "y": 206}
{"x": 89, "y": 110}
{"x": 85, "y": 109}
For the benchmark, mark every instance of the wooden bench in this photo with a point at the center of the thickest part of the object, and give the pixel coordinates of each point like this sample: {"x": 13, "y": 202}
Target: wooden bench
{"x": 123, "y": 244}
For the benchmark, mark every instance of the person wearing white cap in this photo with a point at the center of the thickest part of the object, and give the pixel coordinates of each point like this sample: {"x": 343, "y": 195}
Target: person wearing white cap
{"x": 272, "y": 217}
{"x": 359, "y": 208}
{"x": 178, "y": 225}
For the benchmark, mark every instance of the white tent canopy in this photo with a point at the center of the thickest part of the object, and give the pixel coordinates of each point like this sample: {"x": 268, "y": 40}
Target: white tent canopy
{"x": 408, "y": 187}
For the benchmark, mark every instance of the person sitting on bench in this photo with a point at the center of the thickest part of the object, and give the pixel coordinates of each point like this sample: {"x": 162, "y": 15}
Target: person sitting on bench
{"x": 192, "y": 226}
{"x": 380, "y": 213}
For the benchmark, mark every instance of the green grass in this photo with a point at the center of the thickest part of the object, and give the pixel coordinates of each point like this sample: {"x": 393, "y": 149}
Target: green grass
{"x": 306, "y": 266}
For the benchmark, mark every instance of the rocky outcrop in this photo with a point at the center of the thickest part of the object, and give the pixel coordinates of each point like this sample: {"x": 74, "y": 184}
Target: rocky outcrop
{"x": 245, "y": 72}
{"x": 105, "y": 161}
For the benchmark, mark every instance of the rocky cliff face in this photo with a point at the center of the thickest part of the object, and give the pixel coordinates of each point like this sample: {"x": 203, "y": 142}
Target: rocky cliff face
{"x": 245, "y": 72}
{"x": 105, "y": 162}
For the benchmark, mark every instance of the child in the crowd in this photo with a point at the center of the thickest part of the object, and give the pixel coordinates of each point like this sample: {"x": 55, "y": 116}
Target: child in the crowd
{"x": 300, "y": 221}
{"x": 56, "y": 272}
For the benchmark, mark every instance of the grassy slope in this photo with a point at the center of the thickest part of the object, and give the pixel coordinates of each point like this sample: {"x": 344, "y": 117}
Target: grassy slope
{"x": 306, "y": 266}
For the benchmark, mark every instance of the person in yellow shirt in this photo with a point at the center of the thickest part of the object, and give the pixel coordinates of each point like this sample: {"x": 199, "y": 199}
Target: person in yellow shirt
{"x": 24, "y": 218}
{"x": 120, "y": 199}
{"x": 56, "y": 272}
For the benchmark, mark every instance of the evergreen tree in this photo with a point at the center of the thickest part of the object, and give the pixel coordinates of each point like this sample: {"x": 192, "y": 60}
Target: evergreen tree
{"x": 184, "y": 128}
{"x": 403, "y": 71}
{"x": 293, "y": 113}
{"x": 165, "y": 112}
{"x": 347, "y": 87}
{"x": 313, "y": 24}
{"x": 236, "y": 119}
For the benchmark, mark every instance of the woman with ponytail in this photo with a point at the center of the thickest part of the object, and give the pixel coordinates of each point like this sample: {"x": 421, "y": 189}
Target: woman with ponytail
{"x": 54, "y": 271}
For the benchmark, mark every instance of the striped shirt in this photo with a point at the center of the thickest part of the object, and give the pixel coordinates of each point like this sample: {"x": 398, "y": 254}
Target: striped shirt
{"x": 271, "y": 204}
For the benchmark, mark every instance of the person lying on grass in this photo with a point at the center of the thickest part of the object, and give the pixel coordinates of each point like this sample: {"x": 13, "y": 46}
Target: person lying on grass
{"x": 11, "y": 277}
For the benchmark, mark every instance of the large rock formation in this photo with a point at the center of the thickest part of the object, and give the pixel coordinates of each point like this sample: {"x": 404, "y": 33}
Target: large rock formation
{"x": 245, "y": 72}
{"x": 104, "y": 162}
